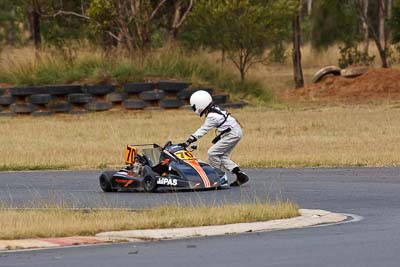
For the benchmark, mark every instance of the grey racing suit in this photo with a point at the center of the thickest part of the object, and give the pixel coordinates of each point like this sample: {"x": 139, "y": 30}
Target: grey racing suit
{"x": 218, "y": 154}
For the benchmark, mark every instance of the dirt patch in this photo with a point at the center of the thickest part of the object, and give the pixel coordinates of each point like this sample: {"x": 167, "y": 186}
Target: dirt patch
{"x": 376, "y": 85}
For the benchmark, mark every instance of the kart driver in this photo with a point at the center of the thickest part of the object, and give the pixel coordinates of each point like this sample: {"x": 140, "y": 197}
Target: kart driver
{"x": 229, "y": 135}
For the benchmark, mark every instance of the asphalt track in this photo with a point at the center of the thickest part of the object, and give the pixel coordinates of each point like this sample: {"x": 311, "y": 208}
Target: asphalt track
{"x": 373, "y": 193}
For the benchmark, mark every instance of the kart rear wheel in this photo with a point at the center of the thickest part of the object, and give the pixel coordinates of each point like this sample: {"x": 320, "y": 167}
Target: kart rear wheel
{"x": 105, "y": 182}
{"x": 149, "y": 184}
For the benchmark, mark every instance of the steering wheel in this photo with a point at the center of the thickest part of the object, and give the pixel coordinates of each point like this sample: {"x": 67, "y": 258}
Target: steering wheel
{"x": 169, "y": 143}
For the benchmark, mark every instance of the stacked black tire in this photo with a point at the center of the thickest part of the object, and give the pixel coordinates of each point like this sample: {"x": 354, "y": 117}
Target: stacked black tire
{"x": 77, "y": 99}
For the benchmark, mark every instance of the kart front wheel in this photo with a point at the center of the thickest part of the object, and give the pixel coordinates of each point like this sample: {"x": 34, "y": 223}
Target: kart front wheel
{"x": 149, "y": 184}
{"x": 105, "y": 182}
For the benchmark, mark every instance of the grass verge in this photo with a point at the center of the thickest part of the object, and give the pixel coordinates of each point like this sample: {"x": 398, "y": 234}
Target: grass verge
{"x": 59, "y": 222}
{"x": 280, "y": 137}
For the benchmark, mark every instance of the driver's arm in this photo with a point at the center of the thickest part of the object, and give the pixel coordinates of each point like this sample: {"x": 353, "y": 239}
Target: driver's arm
{"x": 208, "y": 124}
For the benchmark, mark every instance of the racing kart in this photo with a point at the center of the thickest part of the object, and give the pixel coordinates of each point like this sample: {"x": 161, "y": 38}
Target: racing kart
{"x": 150, "y": 167}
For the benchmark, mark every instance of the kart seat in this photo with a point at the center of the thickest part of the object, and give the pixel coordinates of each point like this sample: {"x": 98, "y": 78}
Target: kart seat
{"x": 152, "y": 154}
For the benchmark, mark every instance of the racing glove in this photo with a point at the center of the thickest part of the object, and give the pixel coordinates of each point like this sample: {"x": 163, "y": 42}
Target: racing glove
{"x": 190, "y": 140}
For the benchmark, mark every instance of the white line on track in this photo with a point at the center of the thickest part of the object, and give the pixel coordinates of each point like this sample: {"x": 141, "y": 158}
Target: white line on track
{"x": 354, "y": 218}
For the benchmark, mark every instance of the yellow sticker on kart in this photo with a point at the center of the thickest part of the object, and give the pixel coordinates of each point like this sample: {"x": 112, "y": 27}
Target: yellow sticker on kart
{"x": 184, "y": 155}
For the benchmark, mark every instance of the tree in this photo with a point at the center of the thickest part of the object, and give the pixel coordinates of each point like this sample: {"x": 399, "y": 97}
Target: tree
{"x": 129, "y": 23}
{"x": 395, "y": 22}
{"x": 379, "y": 29}
{"x": 334, "y": 21}
{"x": 181, "y": 10}
{"x": 10, "y": 18}
{"x": 297, "y": 68}
{"x": 241, "y": 28}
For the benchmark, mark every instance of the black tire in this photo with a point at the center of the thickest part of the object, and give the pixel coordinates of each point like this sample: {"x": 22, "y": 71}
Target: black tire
{"x": 98, "y": 106}
{"x": 25, "y": 108}
{"x": 234, "y": 105}
{"x": 149, "y": 184}
{"x": 79, "y": 98}
{"x": 41, "y": 113}
{"x": 40, "y": 99}
{"x": 60, "y": 106}
{"x": 134, "y": 88}
{"x": 329, "y": 70}
{"x": 116, "y": 97}
{"x": 171, "y": 103}
{"x": 6, "y": 100}
{"x": 187, "y": 93}
{"x": 7, "y": 114}
{"x": 220, "y": 99}
{"x": 64, "y": 89}
{"x": 105, "y": 181}
{"x": 152, "y": 95}
{"x": 354, "y": 72}
{"x": 29, "y": 90}
{"x": 186, "y": 107}
{"x": 134, "y": 104}
{"x": 172, "y": 86}
{"x": 99, "y": 89}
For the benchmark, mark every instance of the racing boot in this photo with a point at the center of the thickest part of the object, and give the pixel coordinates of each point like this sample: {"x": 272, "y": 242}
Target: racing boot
{"x": 223, "y": 178}
{"x": 241, "y": 177}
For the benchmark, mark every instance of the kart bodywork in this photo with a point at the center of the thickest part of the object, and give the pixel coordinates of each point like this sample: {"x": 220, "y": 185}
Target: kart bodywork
{"x": 150, "y": 167}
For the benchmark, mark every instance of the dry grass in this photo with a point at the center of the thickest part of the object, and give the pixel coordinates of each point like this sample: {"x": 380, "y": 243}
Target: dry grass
{"x": 63, "y": 222}
{"x": 285, "y": 137}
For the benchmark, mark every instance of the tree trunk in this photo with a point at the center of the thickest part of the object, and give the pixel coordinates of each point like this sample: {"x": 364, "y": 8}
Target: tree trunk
{"x": 383, "y": 49}
{"x": 297, "y": 68}
{"x": 309, "y": 6}
{"x": 365, "y": 4}
{"x": 32, "y": 10}
{"x": 381, "y": 22}
{"x": 388, "y": 18}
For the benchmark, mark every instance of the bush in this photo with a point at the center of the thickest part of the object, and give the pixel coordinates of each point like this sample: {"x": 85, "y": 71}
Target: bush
{"x": 350, "y": 55}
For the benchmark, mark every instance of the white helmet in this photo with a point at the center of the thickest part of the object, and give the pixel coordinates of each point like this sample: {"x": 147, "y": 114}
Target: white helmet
{"x": 199, "y": 101}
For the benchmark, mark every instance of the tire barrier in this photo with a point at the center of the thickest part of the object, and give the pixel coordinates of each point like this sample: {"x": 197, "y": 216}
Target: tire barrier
{"x": 25, "y": 108}
{"x": 79, "y": 99}
{"x": 63, "y": 89}
{"x": 354, "y": 72}
{"x": 60, "y": 107}
{"x": 186, "y": 93}
{"x": 152, "y": 95}
{"x": 6, "y": 100}
{"x": 39, "y": 99}
{"x": 134, "y": 88}
{"x": 98, "y": 106}
{"x": 171, "y": 103}
{"x": 26, "y": 91}
{"x": 98, "y": 89}
{"x": 322, "y": 73}
{"x": 220, "y": 99}
{"x": 134, "y": 104}
{"x": 116, "y": 97}
{"x": 172, "y": 86}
